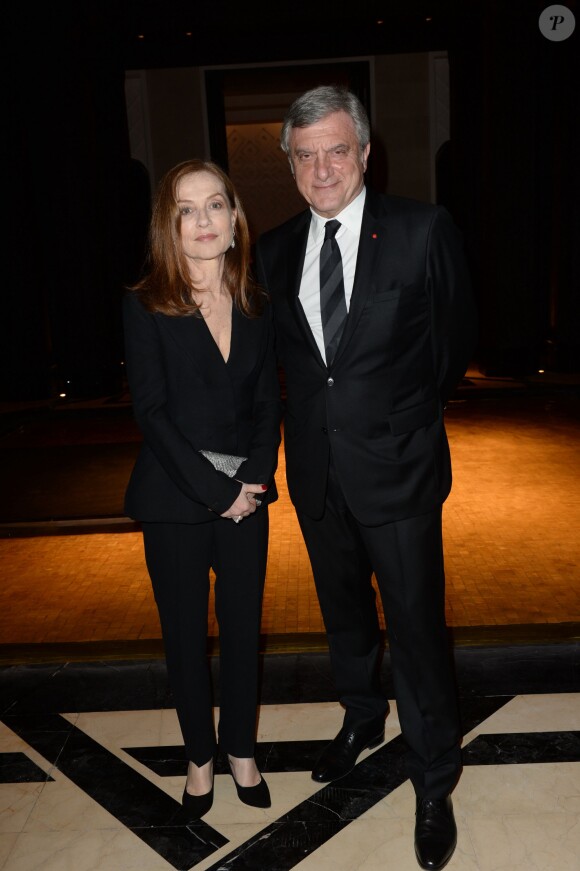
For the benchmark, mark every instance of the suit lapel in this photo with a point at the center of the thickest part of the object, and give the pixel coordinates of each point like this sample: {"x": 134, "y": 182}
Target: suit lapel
{"x": 191, "y": 334}
{"x": 372, "y": 238}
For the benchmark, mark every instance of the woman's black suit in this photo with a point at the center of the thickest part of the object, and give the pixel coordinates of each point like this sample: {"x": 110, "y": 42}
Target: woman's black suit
{"x": 187, "y": 398}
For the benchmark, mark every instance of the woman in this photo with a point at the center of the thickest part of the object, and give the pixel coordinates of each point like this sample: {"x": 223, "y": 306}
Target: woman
{"x": 203, "y": 377}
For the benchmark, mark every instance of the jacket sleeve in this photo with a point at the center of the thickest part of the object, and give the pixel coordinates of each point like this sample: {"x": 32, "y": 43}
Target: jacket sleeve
{"x": 453, "y": 310}
{"x": 181, "y": 460}
{"x": 267, "y": 413}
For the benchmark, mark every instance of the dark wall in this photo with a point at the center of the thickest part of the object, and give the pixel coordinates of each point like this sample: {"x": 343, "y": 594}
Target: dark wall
{"x": 76, "y": 201}
{"x": 515, "y": 148}
{"x": 70, "y": 178}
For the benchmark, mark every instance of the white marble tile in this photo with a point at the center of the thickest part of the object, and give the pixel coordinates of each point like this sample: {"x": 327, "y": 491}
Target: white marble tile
{"x": 369, "y": 846}
{"x": 535, "y": 713}
{"x": 7, "y": 842}
{"x": 237, "y": 834}
{"x": 114, "y": 729}
{"x": 103, "y": 850}
{"x": 530, "y": 842}
{"x": 16, "y": 803}
{"x": 62, "y": 806}
{"x": 310, "y": 722}
{"x": 507, "y": 789}
{"x": 400, "y": 803}
{"x": 299, "y": 722}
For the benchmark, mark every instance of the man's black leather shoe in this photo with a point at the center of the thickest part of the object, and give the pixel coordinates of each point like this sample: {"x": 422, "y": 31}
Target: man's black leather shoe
{"x": 339, "y": 757}
{"x": 435, "y": 832}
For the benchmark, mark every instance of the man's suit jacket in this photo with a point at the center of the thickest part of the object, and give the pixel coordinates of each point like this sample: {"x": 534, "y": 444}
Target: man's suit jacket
{"x": 186, "y": 398}
{"x": 408, "y": 339}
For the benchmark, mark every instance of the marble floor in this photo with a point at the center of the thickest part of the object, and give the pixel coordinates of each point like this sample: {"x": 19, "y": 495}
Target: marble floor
{"x": 92, "y": 771}
{"x": 92, "y": 766}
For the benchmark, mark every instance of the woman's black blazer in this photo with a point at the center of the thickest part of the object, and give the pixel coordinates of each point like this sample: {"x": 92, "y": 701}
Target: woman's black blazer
{"x": 186, "y": 398}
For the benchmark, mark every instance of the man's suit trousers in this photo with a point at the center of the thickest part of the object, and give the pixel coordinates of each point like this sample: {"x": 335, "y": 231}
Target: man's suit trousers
{"x": 407, "y": 559}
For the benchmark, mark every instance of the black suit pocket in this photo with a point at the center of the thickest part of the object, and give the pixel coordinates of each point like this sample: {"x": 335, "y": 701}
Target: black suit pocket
{"x": 413, "y": 418}
{"x": 394, "y": 293}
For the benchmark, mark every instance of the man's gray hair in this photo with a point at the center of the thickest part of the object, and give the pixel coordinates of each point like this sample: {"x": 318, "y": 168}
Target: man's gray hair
{"x": 316, "y": 104}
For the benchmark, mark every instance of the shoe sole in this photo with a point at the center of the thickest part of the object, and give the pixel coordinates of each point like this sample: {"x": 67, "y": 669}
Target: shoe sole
{"x": 376, "y": 741}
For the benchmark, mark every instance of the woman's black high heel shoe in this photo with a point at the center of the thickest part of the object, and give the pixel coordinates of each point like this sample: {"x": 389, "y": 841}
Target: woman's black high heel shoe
{"x": 255, "y": 796}
{"x": 196, "y": 806}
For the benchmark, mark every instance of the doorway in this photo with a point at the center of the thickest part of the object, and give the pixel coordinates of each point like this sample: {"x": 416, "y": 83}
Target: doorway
{"x": 245, "y": 109}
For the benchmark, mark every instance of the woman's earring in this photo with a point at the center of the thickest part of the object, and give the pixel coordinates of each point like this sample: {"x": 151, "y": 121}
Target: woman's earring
{"x": 233, "y": 242}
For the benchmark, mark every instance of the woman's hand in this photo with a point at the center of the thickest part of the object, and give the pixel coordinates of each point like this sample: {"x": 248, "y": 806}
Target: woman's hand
{"x": 246, "y": 503}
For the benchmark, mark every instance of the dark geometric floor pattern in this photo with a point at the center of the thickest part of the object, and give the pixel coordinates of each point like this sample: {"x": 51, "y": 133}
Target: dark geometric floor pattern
{"x": 36, "y": 706}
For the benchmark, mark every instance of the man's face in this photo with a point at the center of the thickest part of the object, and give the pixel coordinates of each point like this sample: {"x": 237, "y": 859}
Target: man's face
{"x": 328, "y": 163}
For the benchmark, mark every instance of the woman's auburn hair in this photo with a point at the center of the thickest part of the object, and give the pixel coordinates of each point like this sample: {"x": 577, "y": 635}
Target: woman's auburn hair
{"x": 166, "y": 286}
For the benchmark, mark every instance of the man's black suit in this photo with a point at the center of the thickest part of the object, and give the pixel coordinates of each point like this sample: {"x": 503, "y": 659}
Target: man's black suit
{"x": 368, "y": 464}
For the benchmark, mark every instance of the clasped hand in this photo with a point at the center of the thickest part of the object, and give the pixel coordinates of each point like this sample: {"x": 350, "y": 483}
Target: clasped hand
{"x": 246, "y": 502}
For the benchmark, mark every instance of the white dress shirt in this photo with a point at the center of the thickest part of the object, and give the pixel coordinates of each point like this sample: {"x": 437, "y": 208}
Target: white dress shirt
{"x": 347, "y": 237}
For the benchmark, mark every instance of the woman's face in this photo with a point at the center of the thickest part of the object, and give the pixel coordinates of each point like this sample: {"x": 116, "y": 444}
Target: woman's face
{"x": 207, "y": 219}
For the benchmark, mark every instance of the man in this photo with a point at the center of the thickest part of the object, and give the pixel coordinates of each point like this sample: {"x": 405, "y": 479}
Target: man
{"x": 374, "y": 331}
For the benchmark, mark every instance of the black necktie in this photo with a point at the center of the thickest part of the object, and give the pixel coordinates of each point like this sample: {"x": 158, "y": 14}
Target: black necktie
{"x": 332, "y": 298}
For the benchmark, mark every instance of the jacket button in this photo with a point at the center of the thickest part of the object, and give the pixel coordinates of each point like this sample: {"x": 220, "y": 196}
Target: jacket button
{"x": 324, "y": 430}
{"x": 330, "y": 382}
